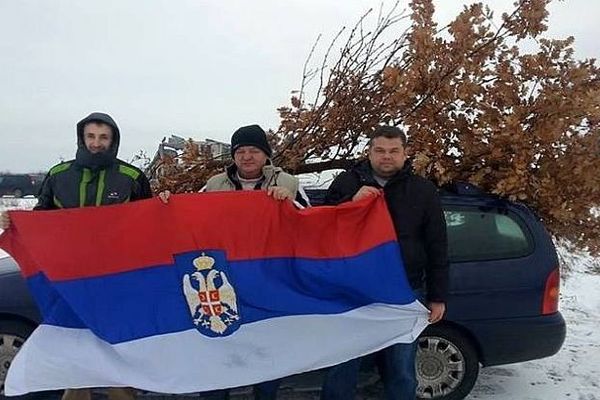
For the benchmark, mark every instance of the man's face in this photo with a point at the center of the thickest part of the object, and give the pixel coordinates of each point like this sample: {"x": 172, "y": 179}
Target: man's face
{"x": 387, "y": 156}
{"x": 249, "y": 160}
{"x": 97, "y": 137}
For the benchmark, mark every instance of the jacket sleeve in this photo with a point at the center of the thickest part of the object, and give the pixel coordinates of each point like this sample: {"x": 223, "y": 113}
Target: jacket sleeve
{"x": 45, "y": 200}
{"x": 341, "y": 190}
{"x": 141, "y": 188}
{"x": 436, "y": 246}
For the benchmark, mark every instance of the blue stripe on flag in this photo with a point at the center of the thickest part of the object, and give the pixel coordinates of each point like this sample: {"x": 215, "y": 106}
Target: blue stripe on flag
{"x": 150, "y": 301}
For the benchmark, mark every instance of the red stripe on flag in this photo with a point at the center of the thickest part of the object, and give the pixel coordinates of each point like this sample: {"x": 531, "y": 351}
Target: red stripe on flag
{"x": 94, "y": 241}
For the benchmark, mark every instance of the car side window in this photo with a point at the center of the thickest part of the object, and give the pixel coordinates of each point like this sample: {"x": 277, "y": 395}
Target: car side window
{"x": 477, "y": 234}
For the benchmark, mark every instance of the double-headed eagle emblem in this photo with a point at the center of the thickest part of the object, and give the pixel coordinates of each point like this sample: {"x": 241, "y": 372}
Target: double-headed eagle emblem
{"x": 210, "y": 297}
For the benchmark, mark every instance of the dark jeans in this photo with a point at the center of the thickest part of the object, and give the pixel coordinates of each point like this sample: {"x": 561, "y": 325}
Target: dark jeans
{"x": 340, "y": 381}
{"x": 262, "y": 391}
{"x": 397, "y": 370}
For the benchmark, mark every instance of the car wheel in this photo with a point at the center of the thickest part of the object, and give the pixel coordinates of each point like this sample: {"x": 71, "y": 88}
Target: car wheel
{"x": 447, "y": 364}
{"x": 12, "y": 337}
{"x": 18, "y": 193}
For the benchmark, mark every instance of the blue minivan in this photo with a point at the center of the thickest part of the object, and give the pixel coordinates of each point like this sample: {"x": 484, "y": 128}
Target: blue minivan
{"x": 502, "y": 307}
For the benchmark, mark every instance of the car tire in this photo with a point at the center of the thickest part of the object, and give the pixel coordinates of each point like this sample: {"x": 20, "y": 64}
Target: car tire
{"x": 18, "y": 193}
{"x": 12, "y": 336}
{"x": 447, "y": 364}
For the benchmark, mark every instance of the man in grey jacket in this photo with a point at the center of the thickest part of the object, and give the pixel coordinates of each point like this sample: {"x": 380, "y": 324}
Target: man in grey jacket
{"x": 253, "y": 170}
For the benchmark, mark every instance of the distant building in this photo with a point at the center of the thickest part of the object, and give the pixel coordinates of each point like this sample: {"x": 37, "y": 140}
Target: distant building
{"x": 174, "y": 145}
{"x": 219, "y": 150}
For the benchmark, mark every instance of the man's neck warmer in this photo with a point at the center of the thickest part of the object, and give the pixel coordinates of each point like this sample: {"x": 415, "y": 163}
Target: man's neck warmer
{"x": 86, "y": 159}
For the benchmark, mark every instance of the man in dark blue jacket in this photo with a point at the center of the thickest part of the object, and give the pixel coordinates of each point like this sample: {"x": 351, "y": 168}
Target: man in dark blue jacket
{"x": 416, "y": 212}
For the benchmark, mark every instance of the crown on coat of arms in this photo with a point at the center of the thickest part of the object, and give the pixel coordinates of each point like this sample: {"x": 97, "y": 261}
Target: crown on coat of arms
{"x": 203, "y": 262}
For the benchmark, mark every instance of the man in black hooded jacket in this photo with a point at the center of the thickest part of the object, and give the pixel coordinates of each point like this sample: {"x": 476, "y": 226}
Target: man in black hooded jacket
{"x": 95, "y": 177}
{"x": 416, "y": 213}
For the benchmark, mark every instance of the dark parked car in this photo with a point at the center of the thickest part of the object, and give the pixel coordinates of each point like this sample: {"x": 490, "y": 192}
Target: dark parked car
{"x": 18, "y": 314}
{"x": 502, "y": 308}
{"x": 19, "y": 185}
{"x": 503, "y": 302}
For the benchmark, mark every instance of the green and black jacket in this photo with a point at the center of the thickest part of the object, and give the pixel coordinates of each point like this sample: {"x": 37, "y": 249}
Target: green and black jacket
{"x": 69, "y": 185}
{"x": 93, "y": 179}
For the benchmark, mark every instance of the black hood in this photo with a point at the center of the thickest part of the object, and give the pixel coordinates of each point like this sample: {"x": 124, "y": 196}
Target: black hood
{"x": 84, "y": 157}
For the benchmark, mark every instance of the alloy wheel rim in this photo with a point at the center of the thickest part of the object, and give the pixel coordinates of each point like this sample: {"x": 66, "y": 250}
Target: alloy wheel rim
{"x": 440, "y": 367}
{"x": 9, "y": 347}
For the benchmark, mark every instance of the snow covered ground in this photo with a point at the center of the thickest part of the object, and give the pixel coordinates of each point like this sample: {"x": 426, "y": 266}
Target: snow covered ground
{"x": 9, "y": 203}
{"x": 573, "y": 373}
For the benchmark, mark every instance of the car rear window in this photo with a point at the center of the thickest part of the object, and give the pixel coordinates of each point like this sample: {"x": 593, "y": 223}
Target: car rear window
{"x": 477, "y": 234}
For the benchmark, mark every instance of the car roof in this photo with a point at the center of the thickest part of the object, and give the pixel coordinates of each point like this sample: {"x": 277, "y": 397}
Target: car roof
{"x": 8, "y": 265}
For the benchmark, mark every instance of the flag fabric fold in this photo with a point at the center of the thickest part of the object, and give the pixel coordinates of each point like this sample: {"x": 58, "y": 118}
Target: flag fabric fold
{"x": 213, "y": 290}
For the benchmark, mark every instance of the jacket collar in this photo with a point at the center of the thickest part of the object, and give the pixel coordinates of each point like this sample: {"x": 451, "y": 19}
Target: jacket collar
{"x": 270, "y": 173}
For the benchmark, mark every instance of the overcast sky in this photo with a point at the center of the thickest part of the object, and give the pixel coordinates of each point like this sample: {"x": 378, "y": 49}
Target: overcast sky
{"x": 192, "y": 68}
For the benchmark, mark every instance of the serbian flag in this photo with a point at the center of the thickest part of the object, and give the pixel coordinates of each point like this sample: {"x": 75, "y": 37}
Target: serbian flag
{"x": 213, "y": 290}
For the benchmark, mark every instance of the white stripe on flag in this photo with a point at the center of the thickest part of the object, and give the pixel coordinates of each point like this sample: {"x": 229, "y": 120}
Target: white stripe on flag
{"x": 185, "y": 362}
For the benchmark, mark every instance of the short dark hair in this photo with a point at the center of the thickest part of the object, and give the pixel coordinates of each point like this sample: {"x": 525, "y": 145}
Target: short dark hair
{"x": 390, "y": 132}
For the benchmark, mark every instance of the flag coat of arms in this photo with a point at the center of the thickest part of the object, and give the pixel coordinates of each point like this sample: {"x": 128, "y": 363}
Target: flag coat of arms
{"x": 213, "y": 290}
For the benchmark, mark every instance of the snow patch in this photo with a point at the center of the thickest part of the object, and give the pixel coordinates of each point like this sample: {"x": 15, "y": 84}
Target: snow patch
{"x": 11, "y": 203}
{"x": 572, "y": 373}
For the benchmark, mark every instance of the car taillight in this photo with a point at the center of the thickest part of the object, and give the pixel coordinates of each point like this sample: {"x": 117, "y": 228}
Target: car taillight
{"x": 551, "y": 291}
